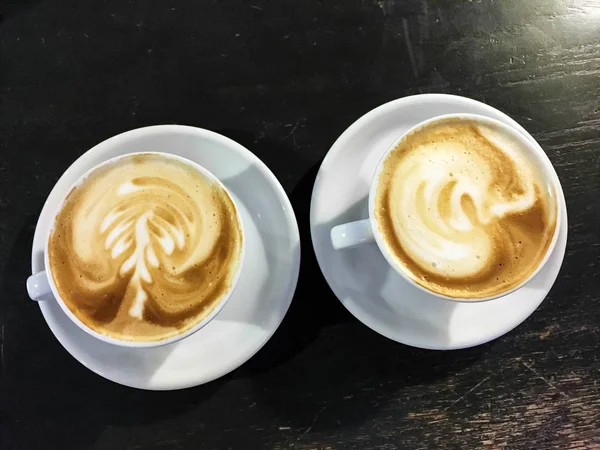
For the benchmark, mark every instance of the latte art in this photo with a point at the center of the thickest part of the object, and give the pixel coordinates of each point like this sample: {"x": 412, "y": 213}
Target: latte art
{"x": 464, "y": 210}
{"x": 145, "y": 248}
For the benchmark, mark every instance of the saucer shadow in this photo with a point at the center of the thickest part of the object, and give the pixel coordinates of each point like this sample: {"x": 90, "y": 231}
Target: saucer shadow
{"x": 42, "y": 387}
{"x": 314, "y": 306}
{"x": 329, "y": 360}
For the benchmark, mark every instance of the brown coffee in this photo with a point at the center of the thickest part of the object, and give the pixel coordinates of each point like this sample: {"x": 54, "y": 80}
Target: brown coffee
{"x": 465, "y": 209}
{"x": 145, "y": 247}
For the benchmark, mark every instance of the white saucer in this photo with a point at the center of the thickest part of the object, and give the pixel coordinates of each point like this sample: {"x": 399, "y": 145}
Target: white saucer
{"x": 260, "y": 300}
{"x": 361, "y": 278}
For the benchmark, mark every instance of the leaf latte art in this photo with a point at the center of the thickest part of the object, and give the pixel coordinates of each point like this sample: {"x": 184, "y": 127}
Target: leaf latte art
{"x": 464, "y": 209}
{"x": 145, "y": 248}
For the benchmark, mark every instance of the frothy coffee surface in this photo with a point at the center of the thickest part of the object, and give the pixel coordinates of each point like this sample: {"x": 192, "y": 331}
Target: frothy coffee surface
{"x": 145, "y": 248}
{"x": 464, "y": 210}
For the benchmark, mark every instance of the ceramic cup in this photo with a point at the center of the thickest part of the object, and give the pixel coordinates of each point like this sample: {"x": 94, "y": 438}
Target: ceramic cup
{"x": 41, "y": 286}
{"x": 367, "y": 231}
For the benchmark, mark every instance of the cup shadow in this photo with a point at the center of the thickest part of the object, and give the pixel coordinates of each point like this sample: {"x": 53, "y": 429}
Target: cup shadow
{"x": 268, "y": 245}
{"x": 301, "y": 325}
{"x": 373, "y": 291}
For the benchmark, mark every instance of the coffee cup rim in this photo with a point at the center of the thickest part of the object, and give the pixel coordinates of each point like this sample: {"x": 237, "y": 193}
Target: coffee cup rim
{"x": 122, "y": 342}
{"x": 533, "y": 147}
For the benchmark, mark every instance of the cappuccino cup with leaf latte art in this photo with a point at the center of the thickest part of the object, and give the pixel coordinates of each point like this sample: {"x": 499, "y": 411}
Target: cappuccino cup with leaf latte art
{"x": 145, "y": 249}
{"x": 461, "y": 206}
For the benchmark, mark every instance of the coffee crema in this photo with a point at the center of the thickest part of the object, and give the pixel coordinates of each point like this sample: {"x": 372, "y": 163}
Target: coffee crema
{"x": 463, "y": 209}
{"x": 145, "y": 247}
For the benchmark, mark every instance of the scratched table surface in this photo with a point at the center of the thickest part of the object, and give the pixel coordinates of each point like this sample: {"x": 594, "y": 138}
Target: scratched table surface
{"x": 285, "y": 79}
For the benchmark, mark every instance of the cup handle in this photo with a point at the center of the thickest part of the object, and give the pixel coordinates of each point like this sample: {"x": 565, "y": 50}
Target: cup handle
{"x": 38, "y": 287}
{"x": 352, "y": 234}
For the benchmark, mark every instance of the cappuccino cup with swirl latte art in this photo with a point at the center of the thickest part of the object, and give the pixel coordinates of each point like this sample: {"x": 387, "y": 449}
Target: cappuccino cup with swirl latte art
{"x": 145, "y": 249}
{"x": 463, "y": 207}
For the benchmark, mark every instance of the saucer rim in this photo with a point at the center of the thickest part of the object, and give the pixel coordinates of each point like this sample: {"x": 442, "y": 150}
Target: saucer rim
{"x": 374, "y": 115}
{"x": 292, "y": 232}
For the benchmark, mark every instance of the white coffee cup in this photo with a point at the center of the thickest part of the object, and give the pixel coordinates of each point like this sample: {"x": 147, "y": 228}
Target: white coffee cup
{"x": 41, "y": 286}
{"x": 365, "y": 231}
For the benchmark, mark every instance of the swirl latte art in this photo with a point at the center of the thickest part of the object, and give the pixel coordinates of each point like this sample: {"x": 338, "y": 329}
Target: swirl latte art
{"x": 145, "y": 248}
{"x": 465, "y": 212}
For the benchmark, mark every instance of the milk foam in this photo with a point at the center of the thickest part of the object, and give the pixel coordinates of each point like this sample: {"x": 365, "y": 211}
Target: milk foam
{"x": 146, "y": 240}
{"x": 445, "y": 195}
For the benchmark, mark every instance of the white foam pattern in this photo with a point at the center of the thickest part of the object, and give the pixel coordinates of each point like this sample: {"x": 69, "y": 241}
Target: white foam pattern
{"x": 444, "y": 195}
{"x": 139, "y": 217}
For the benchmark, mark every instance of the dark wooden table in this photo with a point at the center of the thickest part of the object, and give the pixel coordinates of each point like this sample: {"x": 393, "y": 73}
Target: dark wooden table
{"x": 285, "y": 78}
